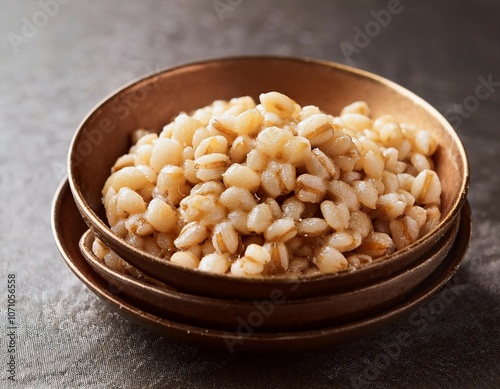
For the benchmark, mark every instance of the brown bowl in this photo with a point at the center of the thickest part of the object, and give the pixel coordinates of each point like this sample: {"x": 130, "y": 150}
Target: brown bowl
{"x": 151, "y": 101}
{"x": 68, "y": 226}
{"x": 278, "y": 314}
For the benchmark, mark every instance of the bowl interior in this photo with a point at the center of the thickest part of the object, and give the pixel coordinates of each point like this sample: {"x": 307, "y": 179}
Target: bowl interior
{"x": 153, "y": 101}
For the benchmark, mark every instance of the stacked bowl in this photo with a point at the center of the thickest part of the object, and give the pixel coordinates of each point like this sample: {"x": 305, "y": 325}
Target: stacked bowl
{"x": 255, "y": 314}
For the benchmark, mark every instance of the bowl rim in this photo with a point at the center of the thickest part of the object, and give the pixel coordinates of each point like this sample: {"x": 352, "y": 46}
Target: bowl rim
{"x": 440, "y": 229}
{"x": 437, "y": 251}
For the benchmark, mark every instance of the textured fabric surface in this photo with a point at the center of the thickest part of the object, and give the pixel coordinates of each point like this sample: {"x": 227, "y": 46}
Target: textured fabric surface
{"x": 75, "y": 53}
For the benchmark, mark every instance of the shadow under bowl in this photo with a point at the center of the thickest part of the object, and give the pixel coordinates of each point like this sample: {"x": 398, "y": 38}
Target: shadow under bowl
{"x": 152, "y": 101}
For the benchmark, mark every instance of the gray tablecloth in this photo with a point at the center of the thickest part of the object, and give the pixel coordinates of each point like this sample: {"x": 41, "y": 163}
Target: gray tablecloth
{"x": 59, "y": 58}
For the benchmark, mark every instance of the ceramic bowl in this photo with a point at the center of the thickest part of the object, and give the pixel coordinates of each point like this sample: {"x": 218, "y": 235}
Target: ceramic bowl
{"x": 153, "y": 100}
{"x": 276, "y": 312}
{"x": 68, "y": 227}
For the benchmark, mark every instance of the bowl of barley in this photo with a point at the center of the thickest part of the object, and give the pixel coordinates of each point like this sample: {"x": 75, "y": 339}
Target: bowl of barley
{"x": 235, "y": 177}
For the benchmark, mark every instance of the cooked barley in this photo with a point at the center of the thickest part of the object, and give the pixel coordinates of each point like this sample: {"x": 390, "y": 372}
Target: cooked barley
{"x": 268, "y": 188}
{"x": 185, "y": 259}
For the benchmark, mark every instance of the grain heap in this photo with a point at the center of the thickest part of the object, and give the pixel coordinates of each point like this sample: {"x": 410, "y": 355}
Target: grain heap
{"x": 273, "y": 189}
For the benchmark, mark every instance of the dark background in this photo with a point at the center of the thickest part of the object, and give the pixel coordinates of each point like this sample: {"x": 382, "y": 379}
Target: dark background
{"x": 52, "y": 76}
